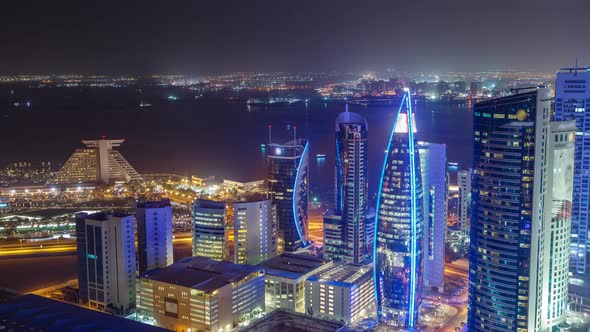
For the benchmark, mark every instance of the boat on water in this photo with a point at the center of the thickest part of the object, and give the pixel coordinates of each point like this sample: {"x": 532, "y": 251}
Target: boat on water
{"x": 142, "y": 104}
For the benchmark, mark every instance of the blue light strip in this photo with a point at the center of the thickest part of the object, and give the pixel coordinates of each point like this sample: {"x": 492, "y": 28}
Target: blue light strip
{"x": 376, "y": 225}
{"x": 295, "y": 190}
{"x": 340, "y": 173}
{"x": 413, "y": 239}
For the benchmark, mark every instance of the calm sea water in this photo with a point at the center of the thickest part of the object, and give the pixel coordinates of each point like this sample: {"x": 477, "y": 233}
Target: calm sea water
{"x": 194, "y": 137}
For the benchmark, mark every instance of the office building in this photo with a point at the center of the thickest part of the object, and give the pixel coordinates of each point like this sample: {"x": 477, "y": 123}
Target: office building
{"x": 36, "y": 313}
{"x": 154, "y": 235}
{"x": 351, "y": 190}
{"x": 255, "y": 231}
{"x": 341, "y": 292}
{"x": 398, "y": 250}
{"x": 333, "y": 230}
{"x": 572, "y": 102}
{"x": 107, "y": 266}
{"x": 561, "y": 162}
{"x": 464, "y": 206}
{"x": 201, "y": 294}
{"x": 81, "y": 253}
{"x": 433, "y": 163}
{"x": 210, "y": 238}
{"x": 285, "y": 279}
{"x": 288, "y": 187}
{"x": 98, "y": 163}
{"x": 511, "y": 206}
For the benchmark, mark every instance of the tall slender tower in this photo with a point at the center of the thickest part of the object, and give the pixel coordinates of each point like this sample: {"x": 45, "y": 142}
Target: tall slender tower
{"x": 464, "y": 209}
{"x": 351, "y": 190}
{"x": 398, "y": 246}
{"x": 288, "y": 187}
{"x": 572, "y": 102}
{"x": 433, "y": 164}
{"x": 510, "y": 212}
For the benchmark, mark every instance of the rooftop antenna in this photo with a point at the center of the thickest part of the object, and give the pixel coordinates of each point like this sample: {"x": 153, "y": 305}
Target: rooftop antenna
{"x": 576, "y": 66}
{"x": 295, "y": 145}
{"x": 269, "y": 134}
{"x": 346, "y": 107}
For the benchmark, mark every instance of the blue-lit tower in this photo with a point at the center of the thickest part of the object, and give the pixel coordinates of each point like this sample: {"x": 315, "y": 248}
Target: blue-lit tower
{"x": 398, "y": 246}
{"x": 288, "y": 187}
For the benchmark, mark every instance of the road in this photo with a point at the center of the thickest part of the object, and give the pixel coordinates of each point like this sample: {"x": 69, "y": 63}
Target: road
{"x": 57, "y": 247}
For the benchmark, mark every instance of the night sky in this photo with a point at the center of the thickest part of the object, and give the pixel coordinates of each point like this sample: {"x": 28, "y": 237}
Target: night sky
{"x": 200, "y": 37}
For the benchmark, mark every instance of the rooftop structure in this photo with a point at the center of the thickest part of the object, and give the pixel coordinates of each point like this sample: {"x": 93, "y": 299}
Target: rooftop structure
{"x": 289, "y": 321}
{"x": 35, "y": 313}
{"x": 292, "y": 266}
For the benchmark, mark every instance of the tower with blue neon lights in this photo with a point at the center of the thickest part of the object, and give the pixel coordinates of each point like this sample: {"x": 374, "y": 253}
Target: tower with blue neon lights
{"x": 398, "y": 246}
{"x": 288, "y": 187}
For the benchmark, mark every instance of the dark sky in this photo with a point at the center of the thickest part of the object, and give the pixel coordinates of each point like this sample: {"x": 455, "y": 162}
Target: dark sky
{"x": 200, "y": 36}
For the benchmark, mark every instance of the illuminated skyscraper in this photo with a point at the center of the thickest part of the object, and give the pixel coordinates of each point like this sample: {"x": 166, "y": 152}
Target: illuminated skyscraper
{"x": 154, "y": 235}
{"x": 433, "y": 166}
{"x": 107, "y": 260}
{"x": 399, "y": 229}
{"x": 572, "y": 102}
{"x": 349, "y": 244}
{"x": 210, "y": 238}
{"x": 511, "y": 204}
{"x": 561, "y": 163}
{"x": 288, "y": 187}
{"x": 464, "y": 208}
{"x": 98, "y": 163}
{"x": 255, "y": 231}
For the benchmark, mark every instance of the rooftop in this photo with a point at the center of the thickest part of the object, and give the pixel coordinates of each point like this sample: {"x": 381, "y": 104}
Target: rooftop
{"x": 153, "y": 204}
{"x": 289, "y": 321}
{"x": 292, "y": 266}
{"x": 36, "y": 313}
{"x": 201, "y": 273}
{"x": 343, "y": 275}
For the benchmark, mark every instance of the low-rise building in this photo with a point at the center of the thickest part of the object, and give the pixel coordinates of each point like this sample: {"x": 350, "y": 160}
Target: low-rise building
{"x": 342, "y": 292}
{"x": 201, "y": 294}
{"x": 286, "y": 320}
{"x": 285, "y": 279}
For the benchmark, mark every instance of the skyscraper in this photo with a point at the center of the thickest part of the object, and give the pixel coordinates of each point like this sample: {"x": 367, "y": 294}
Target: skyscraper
{"x": 255, "y": 231}
{"x": 154, "y": 235}
{"x": 561, "y": 164}
{"x": 510, "y": 205}
{"x": 433, "y": 163}
{"x": 210, "y": 238}
{"x": 572, "y": 102}
{"x": 98, "y": 163}
{"x": 351, "y": 190}
{"x": 464, "y": 208}
{"x": 288, "y": 187}
{"x": 108, "y": 268}
{"x": 398, "y": 246}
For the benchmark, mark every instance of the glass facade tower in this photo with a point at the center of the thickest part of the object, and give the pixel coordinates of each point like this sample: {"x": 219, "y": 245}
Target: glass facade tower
{"x": 572, "y": 102}
{"x": 288, "y": 187}
{"x": 398, "y": 246}
{"x": 351, "y": 190}
{"x": 210, "y": 236}
{"x": 510, "y": 205}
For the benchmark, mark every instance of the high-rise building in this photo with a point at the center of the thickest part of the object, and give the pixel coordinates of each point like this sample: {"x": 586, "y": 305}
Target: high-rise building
{"x": 107, "y": 270}
{"x": 561, "y": 149}
{"x": 255, "y": 231}
{"x": 509, "y": 216}
{"x": 81, "y": 253}
{"x": 342, "y": 292}
{"x": 572, "y": 102}
{"x": 433, "y": 166}
{"x": 349, "y": 245}
{"x": 288, "y": 187}
{"x": 398, "y": 249}
{"x": 97, "y": 163}
{"x": 210, "y": 238}
{"x": 201, "y": 294}
{"x": 464, "y": 206}
{"x": 154, "y": 235}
